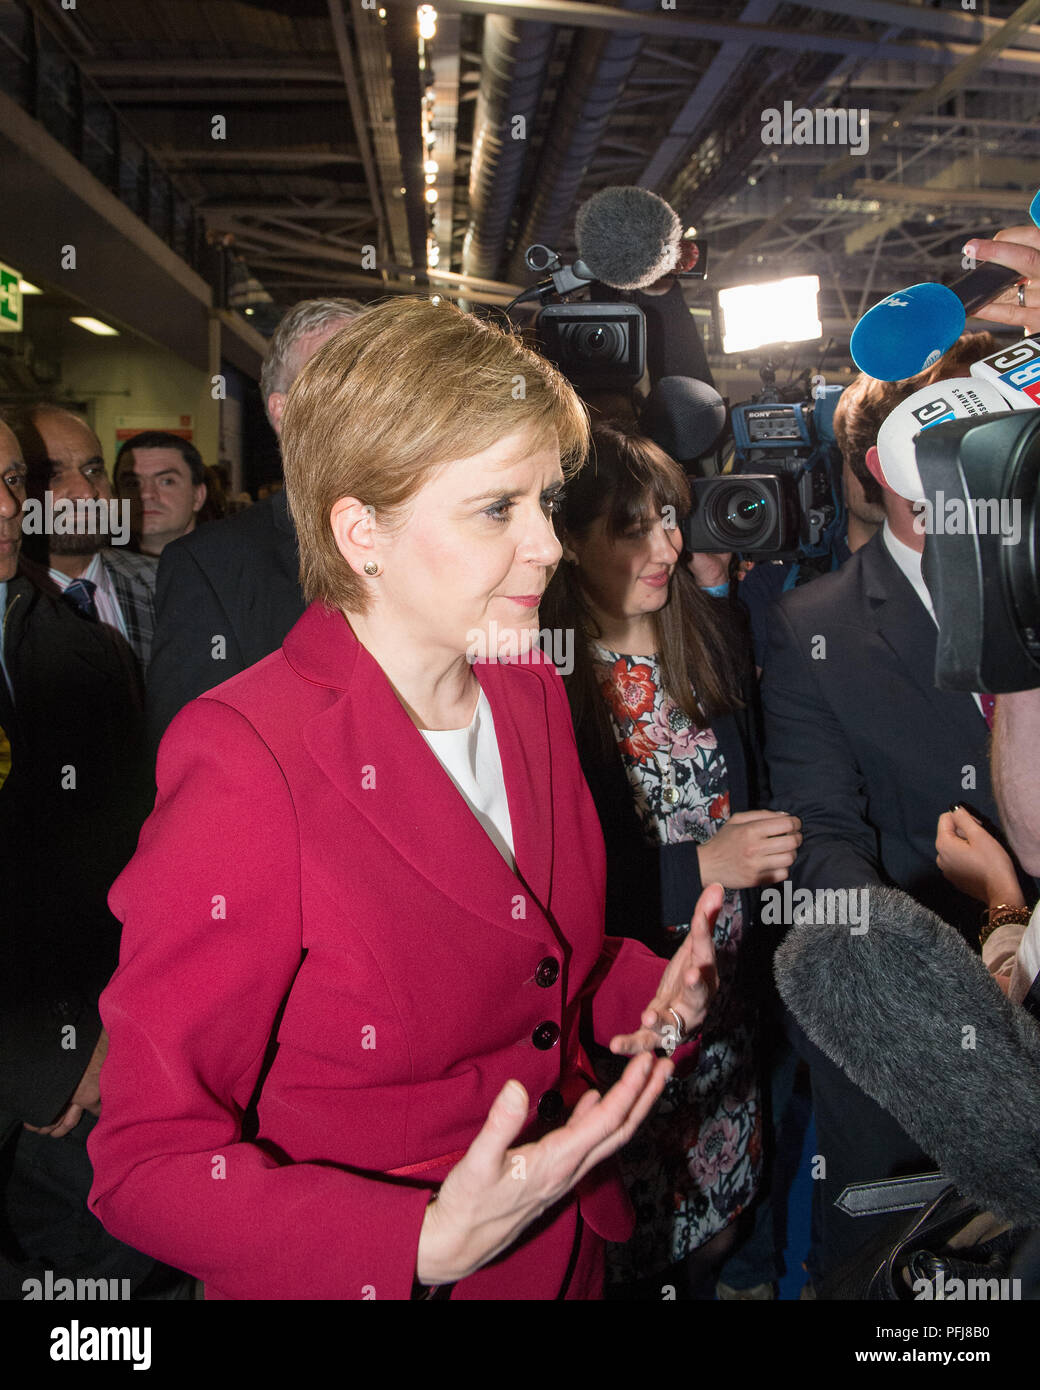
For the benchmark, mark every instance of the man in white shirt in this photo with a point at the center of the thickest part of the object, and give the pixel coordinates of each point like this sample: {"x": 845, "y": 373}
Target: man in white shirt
{"x": 105, "y": 583}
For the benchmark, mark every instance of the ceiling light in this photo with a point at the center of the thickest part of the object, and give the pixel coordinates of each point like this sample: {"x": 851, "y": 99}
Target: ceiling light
{"x": 95, "y": 326}
{"x": 431, "y": 166}
{"x": 26, "y": 288}
{"x": 431, "y": 195}
{"x": 427, "y": 17}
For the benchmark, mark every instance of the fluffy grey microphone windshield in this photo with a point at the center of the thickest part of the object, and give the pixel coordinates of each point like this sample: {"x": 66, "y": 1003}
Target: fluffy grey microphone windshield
{"x": 627, "y": 236}
{"x": 913, "y": 1017}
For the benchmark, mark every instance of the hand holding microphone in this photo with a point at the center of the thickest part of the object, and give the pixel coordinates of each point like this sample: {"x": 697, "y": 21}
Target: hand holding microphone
{"x": 910, "y": 330}
{"x": 1019, "y": 249}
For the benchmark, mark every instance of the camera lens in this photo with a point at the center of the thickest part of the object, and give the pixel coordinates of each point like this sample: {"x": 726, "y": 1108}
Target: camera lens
{"x": 739, "y": 514}
{"x": 599, "y": 342}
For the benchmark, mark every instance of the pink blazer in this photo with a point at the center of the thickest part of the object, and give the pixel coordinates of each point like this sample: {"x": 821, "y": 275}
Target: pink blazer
{"x": 314, "y": 920}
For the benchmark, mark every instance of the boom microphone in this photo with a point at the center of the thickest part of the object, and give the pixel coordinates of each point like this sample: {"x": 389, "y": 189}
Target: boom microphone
{"x": 913, "y": 1017}
{"x": 911, "y": 329}
{"x": 627, "y": 237}
{"x": 683, "y": 416}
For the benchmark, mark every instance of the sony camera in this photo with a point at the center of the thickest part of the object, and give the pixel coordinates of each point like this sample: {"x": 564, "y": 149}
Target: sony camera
{"x": 783, "y": 496}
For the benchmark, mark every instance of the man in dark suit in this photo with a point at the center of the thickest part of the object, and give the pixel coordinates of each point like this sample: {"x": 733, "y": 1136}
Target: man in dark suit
{"x": 227, "y": 595}
{"x": 107, "y": 583}
{"x": 71, "y": 803}
{"x": 868, "y": 752}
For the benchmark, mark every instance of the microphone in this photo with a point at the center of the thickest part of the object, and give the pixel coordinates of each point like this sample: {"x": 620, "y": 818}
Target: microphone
{"x": 955, "y": 398}
{"x": 913, "y": 1017}
{"x": 627, "y": 237}
{"x": 910, "y": 330}
{"x": 683, "y": 416}
{"x": 1015, "y": 372}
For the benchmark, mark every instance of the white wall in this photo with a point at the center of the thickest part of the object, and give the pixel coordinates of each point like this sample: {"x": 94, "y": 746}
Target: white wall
{"x": 127, "y": 376}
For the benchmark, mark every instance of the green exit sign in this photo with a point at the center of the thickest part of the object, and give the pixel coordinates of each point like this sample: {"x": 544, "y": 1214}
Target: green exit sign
{"x": 10, "y": 300}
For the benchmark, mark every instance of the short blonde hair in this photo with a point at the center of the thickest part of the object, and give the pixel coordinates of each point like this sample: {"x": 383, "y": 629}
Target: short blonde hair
{"x": 405, "y": 386}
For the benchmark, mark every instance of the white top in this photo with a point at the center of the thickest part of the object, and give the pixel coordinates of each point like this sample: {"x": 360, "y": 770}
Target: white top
{"x": 1027, "y": 966}
{"x": 471, "y": 759}
{"x": 909, "y": 561}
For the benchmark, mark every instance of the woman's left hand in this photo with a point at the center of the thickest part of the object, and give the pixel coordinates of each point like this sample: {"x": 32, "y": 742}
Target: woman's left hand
{"x": 974, "y": 862}
{"x": 688, "y": 984}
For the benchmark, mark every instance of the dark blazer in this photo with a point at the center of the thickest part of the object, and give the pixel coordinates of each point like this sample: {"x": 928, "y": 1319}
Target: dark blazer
{"x": 70, "y": 811}
{"x": 328, "y": 972}
{"x": 859, "y": 742}
{"x": 237, "y": 579}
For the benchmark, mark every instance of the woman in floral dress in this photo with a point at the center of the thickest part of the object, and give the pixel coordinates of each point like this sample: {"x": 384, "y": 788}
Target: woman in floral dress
{"x": 661, "y": 698}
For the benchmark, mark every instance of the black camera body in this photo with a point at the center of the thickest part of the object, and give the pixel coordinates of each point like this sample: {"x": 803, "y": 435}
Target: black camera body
{"x": 783, "y": 497}
{"x": 595, "y": 345}
{"x": 981, "y": 480}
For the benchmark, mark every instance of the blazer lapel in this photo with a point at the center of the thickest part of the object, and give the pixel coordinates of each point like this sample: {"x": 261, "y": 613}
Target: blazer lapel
{"x": 905, "y": 626}
{"x": 368, "y": 747}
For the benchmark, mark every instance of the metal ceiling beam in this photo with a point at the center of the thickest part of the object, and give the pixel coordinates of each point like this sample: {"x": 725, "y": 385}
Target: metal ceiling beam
{"x": 954, "y": 81}
{"x": 403, "y": 285}
{"x": 402, "y": 43}
{"x": 990, "y": 199}
{"x": 956, "y": 23}
{"x": 373, "y": 63}
{"x": 246, "y": 158}
{"x": 150, "y": 69}
{"x": 359, "y": 116}
{"x": 317, "y": 247}
{"x": 656, "y": 26}
{"x": 253, "y": 96}
{"x": 699, "y": 105}
{"x": 210, "y": 210}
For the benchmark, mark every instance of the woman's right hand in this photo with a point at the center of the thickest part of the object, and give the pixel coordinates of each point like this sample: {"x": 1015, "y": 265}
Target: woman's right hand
{"x": 753, "y": 848}
{"x": 494, "y": 1192}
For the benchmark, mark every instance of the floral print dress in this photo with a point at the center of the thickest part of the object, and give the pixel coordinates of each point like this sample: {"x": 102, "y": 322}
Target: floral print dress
{"x": 695, "y": 1163}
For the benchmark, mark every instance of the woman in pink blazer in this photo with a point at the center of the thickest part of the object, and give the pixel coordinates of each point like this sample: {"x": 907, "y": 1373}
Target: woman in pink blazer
{"x": 363, "y": 929}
